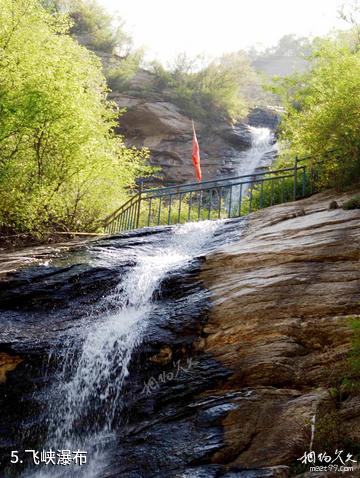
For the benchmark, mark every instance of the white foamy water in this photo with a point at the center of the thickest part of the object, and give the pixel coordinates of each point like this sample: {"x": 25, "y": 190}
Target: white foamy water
{"x": 88, "y": 397}
{"x": 262, "y": 152}
{"x": 89, "y": 392}
{"x": 263, "y": 145}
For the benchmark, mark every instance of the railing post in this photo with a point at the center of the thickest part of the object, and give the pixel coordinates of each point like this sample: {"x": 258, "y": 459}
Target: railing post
{"x": 138, "y": 205}
{"x": 240, "y": 198}
{"x": 169, "y": 213}
{"x": 230, "y": 202}
{"x": 311, "y": 177}
{"x": 303, "y": 181}
{"x": 179, "y": 210}
{"x": 251, "y": 193}
{"x": 295, "y": 177}
{"x": 199, "y": 203}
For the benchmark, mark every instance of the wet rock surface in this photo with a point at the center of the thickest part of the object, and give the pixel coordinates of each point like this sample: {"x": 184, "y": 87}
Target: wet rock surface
{"x": 282, "y": 297}
{"x": 41, "y": 305}
{"x": 239, "y": 354}
{"x": 264, "y": 117}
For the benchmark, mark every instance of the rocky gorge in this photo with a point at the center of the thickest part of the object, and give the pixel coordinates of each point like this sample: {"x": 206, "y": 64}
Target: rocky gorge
{"x": 245, "y": 340}
{"x": 153, "y": 120}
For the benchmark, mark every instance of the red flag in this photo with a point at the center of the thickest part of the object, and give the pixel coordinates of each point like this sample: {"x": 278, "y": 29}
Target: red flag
{"x": 196, "y": 154}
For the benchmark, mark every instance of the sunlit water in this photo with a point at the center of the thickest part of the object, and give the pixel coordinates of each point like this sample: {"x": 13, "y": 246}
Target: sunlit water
{"x": 88, "y": 397}
{"x": 260, "y": 155}
{"x": 263, "y": 148}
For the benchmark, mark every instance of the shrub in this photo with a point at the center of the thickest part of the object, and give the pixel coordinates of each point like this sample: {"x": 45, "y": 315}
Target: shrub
{"x": 353, "y": 203}
{"x": 92, "y": 21}
{"x": 207, "y": 91}
{"x": 324, "y": 113}
{"x": 118, "y": 76}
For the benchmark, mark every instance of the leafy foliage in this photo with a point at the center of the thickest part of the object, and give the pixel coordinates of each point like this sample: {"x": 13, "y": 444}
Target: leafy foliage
{"x": 93, "y": 26}
{"x": 61, "y": 166}
{"x": 324, "y": 112}
{"x": 118, "y": 75}
{"x": 206, "y": 90}
{"x": 353, "y": 203}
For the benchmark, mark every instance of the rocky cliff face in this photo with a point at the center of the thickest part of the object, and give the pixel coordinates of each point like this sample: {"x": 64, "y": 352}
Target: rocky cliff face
{"x": 282, "y": 297}
{"x": 251, "y": 342}
{"x": 162, "y": 128}
{"x": 153, "y": 121}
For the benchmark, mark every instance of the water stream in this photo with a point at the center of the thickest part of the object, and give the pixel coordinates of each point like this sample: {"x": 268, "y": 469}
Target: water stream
{"x": 87, "y": 398}
{"x": 86, "y": 401}
{"x": 256, "y": 159}
{"x": 261, "y": 153}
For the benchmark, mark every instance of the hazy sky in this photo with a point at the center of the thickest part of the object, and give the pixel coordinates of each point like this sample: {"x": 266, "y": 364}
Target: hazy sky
{"x": 167, "y": 27}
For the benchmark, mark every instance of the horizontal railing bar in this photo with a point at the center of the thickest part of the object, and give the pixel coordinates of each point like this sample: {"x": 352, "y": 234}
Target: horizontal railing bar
{"x": 177, "y": 193}
{"x": 208, "y": 188}
{"x": 213, "y": 181}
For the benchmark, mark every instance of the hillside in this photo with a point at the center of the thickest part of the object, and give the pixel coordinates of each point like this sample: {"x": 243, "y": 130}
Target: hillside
{"x": 153, "y": 120}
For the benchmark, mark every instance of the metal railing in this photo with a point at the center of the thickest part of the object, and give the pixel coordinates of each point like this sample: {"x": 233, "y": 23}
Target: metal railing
{"x": 216, "y": 199}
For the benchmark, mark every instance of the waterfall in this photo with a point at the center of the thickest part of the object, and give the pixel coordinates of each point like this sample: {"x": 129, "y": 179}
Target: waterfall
{"x": 86, "y": 402}
{"x": 88, "y": 396}
{"x": 262, "y": 151}
{"x": 260, "y": 155}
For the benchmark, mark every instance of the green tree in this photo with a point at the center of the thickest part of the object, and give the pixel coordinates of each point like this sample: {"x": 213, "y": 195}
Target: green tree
{"x": 92, "y": 25}
{"x": 61, "y": 166}
{"x": 350, "y": 13}
{"x": 207, "y": 89}
{"x": 324, "y": 112}
{"x": 98, "y": 31}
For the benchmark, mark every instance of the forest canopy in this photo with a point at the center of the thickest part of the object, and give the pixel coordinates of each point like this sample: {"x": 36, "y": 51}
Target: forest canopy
{"x": 61, "y": 165}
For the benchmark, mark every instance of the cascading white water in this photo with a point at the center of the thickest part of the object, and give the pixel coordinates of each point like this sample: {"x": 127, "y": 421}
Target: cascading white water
{"x": 88, "y": 397}
{"x": 261, "y": 154}
{"x": 263, "y": 148}
{"x": 94, "y": 384}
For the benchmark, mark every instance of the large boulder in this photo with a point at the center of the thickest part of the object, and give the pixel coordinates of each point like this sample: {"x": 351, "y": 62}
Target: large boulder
{"x": 268, "y": 117}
